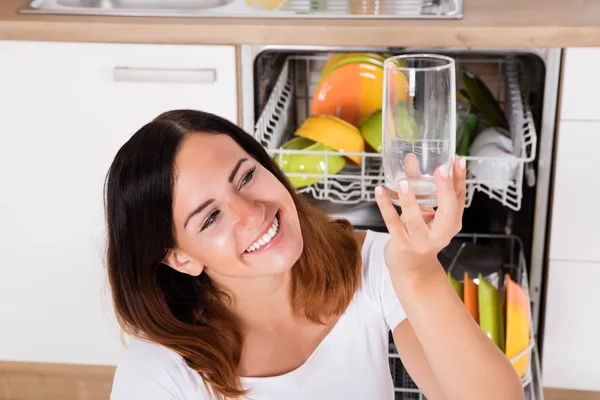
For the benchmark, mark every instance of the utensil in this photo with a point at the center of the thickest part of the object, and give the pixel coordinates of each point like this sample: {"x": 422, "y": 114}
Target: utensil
{"x": 371, "y": 129}
{"x": 493, "y": 166}
{"x": 458, "y": 286}
{"x": 306, "y": 162}
{"x": 351, "y": 92}
{"x": 340, "y": 59}
{"x": 335, "y": 133}
{"x": 492, "y": 135}
{"x": 473, "y": 258}
{"x": 490, "y": 312}
{"x": 419, "y": 123}
{"x": 470, "y": 297}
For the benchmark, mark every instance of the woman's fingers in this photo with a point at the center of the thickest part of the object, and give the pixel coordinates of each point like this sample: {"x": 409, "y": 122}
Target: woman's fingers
{"x": 389, "y": 213}
{"x": 428, "y": 213}
{"x": 413, "y": 230}
{"x": 411, "y": 167}
{"x": 412, "y": 216}
{"x": 460, "y": 187}
{"x": 415, "y": 218}
{"x": 445, "y": 217}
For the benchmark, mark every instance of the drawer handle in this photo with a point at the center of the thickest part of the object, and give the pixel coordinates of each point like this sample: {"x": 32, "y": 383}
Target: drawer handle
{"x": 157, "y": 75}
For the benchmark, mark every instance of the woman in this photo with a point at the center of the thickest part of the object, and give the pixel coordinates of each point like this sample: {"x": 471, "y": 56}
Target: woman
{"x": 235, "y": 287}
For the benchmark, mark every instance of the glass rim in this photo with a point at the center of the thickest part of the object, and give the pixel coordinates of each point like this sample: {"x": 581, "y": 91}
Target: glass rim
{"x": 388, "y": 62}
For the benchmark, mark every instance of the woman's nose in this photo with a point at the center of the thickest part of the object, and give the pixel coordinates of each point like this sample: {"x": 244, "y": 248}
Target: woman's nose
{"x": 249, "y": 213}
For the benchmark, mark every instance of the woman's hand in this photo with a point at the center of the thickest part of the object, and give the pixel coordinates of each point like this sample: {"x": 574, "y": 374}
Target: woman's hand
{"x": 419, "y": 234}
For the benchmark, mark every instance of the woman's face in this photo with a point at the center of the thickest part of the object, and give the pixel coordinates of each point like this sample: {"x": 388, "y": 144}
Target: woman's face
{"x": 232, "y": 217}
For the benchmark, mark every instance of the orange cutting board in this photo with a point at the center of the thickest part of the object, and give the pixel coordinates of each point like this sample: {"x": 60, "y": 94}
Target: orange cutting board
{"x": 517, "y": 324}
{"x": 470, "y": 297}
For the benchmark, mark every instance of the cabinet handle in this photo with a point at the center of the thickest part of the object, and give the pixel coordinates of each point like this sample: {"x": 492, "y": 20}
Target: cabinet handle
{"x": 157, "y": 75}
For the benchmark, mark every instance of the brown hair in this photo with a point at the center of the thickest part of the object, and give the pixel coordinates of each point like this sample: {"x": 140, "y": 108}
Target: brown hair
{"x": 188, "y": 314}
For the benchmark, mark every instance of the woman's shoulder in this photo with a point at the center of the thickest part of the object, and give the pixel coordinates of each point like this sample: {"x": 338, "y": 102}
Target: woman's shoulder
{"x": 372, "y": 245}
{"x": 377, "y": 284}
{"x": 150, "y": 371}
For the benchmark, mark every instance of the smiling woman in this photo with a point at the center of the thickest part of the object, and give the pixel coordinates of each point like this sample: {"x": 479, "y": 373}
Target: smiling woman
{"x": 235, "y": 287}
{"x": 197, "y": 214}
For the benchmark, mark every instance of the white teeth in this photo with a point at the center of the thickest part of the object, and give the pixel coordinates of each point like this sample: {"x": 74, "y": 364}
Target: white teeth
{"x": 266, "y": 238}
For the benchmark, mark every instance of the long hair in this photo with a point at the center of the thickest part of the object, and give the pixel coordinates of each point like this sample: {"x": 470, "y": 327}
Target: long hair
{"x": 188, "y": 314}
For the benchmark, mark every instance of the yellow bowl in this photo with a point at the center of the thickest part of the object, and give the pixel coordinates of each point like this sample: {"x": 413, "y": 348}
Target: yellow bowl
{"x": 335, "y": 133}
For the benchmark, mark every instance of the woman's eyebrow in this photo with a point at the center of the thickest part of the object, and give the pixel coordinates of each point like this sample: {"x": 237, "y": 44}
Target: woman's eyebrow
{"x": 206, "y": 203}
{"x": 197, "y": 211}
{"x": 236, "y": 168}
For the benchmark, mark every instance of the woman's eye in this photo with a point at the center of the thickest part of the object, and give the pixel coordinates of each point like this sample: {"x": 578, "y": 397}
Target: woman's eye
{"x": 248, "y": 177}
{"x": 210, "y": 220}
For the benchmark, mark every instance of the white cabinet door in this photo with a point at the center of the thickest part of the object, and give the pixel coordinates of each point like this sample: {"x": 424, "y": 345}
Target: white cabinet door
{"x": 575, "y": 231}
{"x": 65, "y": 109}
{"x": 581, "y": 84}
{"x": 571, "y": 346}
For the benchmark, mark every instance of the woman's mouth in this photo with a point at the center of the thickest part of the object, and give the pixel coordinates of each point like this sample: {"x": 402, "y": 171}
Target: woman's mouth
{"x": 267, "y": 239}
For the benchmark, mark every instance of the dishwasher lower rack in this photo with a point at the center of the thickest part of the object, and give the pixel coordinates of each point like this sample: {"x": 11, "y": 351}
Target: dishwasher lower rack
{"x": 289, "y": 104}
{"x": 406, "y": 389}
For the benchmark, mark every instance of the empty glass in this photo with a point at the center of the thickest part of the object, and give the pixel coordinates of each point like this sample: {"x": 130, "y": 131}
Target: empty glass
{"x": 419, "y": 122}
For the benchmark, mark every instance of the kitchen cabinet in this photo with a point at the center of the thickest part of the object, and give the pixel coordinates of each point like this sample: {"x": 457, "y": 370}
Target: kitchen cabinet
{"x": 65, "y": 109}
{"x": 575, "y": 215}
{"x": 581, "y": 84}
{"x": 571, "y": 345}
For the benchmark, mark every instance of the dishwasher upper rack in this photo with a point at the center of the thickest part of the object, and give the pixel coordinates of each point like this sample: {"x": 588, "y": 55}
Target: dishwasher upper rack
{"x": 516, "y": 265}
{"x": 289, "y": 103}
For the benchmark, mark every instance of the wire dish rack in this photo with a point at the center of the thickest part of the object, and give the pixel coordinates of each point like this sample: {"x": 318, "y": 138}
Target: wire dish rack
{"x": 289, "y": 104}
{"x": 405, "y": 388}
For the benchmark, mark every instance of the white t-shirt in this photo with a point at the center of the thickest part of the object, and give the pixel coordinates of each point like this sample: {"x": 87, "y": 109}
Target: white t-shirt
{"x": 350, "y": 363}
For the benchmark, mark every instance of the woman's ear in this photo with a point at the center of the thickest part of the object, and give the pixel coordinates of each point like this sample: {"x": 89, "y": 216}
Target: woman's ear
{"x": 181, "y": 262}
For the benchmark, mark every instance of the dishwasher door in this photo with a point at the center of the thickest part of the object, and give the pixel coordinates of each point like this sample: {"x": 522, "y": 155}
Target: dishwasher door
{"x": 284, "y": 82}
{"x": 511, "y": 248}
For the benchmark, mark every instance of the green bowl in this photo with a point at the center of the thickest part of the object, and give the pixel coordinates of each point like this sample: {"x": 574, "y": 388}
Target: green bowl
{"x": 371, "y": 129}
{"x": 307, "y": 163}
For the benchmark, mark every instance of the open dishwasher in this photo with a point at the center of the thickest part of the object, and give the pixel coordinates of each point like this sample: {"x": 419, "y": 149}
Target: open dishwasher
{"x": 504, "y": 218}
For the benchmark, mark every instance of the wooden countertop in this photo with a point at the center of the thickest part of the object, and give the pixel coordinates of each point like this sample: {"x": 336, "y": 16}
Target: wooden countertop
{"x": 487, "y": 23}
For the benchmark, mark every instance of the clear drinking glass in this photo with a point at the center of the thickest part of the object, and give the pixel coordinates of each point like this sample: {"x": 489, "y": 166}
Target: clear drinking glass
{"x": 419, "y": 122}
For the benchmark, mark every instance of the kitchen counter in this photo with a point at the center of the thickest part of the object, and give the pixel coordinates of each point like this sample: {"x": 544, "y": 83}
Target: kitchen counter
{"x": 487, "y": 23}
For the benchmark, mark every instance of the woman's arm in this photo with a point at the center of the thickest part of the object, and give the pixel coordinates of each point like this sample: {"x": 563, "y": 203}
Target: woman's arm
{"x": 415, "y": 362}
{"x": 442, "y": 343}
{"x": 466, "y": 364}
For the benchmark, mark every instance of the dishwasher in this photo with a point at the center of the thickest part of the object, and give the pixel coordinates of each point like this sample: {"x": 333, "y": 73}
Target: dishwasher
{"x": 509, "y": 221}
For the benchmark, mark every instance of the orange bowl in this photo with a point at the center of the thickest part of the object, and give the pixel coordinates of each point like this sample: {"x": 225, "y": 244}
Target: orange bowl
{"x": 354, "y": 91}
